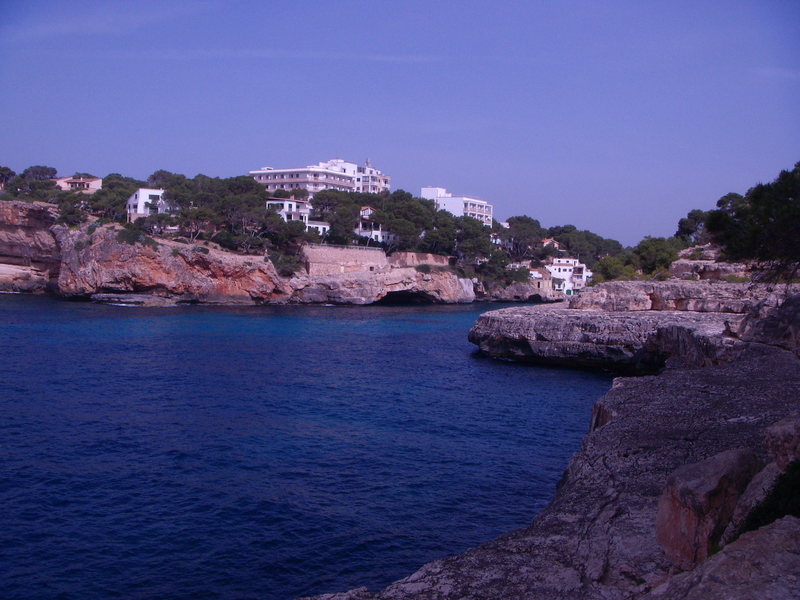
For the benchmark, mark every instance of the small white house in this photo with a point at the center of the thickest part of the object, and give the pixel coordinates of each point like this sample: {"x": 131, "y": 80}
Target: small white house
{"x": 86, "y": 185}
{"x": 369, "y": 228}
{"x": 569, "y": 275}
{"x": 290, "y": 209}
{"x": 321, "y": 227}
{"x": 146, "y": 201}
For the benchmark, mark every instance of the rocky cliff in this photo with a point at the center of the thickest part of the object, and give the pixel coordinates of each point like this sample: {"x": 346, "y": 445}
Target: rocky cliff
{"x": 683, "y": 475}
{"x": 96, "y": 264}
{"x": 29, "y": 255}
{"x": 401, "y": 284}
{"x": 103, "y": 263}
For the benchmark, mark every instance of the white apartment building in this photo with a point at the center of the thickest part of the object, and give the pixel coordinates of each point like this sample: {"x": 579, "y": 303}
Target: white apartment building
{"x": 569, "y": 275}
{"x": 335, "y": 174}
{"x": 146, "y": 201}
{"x": 460, "y": 206}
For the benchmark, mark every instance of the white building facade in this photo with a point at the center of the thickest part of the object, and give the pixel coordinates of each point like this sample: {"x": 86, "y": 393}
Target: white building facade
{"x": 335, "y": 174}
{"x": 371, "y": 229}
{"x": 290, "y": 209}
{"x": 145, "y": 202}
{"x": 86, "y": 185}
{"x": 569, "y": 275}
{"x": 460, "y": 206}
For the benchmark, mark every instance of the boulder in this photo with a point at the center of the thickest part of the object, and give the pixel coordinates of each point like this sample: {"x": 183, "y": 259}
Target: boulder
{"x": 698, "y": 503}
{"x": 783, "y": 441}
{"x": 761, "y": 564}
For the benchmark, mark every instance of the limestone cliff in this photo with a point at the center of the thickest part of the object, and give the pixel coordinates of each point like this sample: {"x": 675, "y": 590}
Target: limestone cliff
{"x": 29, "y": 255}
{"x": 95, "y": 262}
{"x": 682, "y": 487}
{"x": 99, "y": 263}
{"x": 364, "y": 287}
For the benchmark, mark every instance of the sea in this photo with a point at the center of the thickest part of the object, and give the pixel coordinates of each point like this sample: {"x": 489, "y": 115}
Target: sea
{"x": 263, "y": 452}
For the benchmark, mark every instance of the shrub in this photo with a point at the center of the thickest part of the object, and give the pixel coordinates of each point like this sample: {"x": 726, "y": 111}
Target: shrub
{"x": 423, "y": 268}
{"x": 735, "y": 279}
{"x": 200, "y": 249}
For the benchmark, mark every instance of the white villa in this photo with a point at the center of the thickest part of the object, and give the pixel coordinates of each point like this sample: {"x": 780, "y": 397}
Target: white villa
{"x": 146, "y": 201}
{"x": 334, "y": 174}
{"x": 460, "y": 206}
{"x": 86, "y": 185}
{"x": 569, "y": 275}
{"x": 291, "y": 209}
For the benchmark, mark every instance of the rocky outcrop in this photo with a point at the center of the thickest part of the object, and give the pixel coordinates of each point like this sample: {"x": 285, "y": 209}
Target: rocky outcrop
{"x": 519, "y": 292}
{"x": 691, "y": 296}
{"x": 761, "y": 564}
{"x": 402, "y": 284}
{"x": 622, "y": 341}
{"x": 98, "y": 263}
{"x": 702, "y": 262}
{"x": 670, "y": 472}
{"x": 20, "y": 279}
{"x": 698, "y": 502}
{"x": 26, "y": 242}
{"x": 597, "y": 539}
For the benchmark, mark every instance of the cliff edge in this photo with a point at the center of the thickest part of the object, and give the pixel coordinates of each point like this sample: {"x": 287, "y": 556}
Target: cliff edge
{"x": 685, "y": 486}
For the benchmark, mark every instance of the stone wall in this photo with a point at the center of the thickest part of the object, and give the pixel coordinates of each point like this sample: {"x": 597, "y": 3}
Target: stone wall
{"x": 413, "y": 259}
{"x": 332, "y": 260}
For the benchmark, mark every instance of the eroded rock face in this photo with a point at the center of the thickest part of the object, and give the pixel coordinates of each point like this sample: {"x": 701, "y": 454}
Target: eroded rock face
{"x": 597, "y": 539}
{"x": 698, "y": 502}
{"x": 521, "y": 292}
{"x": 594, "y": 338}
{"x": 761, "y": 564}
{"x": 694, "y": 296}
{"x": 100, "y": 264}
{"x": 26, "y": 241}
{"x": 437, "y": 287}
{"x": 783, "y": 441}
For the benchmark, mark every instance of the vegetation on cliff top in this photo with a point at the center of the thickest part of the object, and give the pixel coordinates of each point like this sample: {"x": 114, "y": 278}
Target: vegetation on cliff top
{"x": 761, "y": 225}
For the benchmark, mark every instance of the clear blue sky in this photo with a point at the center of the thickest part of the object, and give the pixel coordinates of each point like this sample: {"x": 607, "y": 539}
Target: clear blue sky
{"x": 617, "y": 117}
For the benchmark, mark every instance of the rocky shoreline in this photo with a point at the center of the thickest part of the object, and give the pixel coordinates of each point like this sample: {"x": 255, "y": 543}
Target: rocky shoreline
{"x": 96, "y": 262}
{"x": 685, "y": 486}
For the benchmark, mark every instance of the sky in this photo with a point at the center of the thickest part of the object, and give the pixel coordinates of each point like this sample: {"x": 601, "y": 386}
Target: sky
{"x": 617, "y": 117}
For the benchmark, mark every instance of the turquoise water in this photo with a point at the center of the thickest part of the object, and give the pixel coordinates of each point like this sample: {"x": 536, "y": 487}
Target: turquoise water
{"x": 263, "y": 452}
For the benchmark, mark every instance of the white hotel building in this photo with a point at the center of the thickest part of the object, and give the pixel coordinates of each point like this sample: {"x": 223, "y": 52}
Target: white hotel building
{"x": 460, "y": 206}
{"x": 335, "y": 174}
{"x": 571, "y": 273}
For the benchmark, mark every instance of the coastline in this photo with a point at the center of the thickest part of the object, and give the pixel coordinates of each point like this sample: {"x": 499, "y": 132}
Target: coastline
{"x": 98, "y": 263}
{"x": 637, "y": 514}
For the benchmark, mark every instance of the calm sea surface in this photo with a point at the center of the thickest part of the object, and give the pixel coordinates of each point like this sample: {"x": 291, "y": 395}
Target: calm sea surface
{"x": 262, "y": 452}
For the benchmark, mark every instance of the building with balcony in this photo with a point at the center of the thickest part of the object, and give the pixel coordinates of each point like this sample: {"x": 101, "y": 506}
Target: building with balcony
{"x": 460, "y": 206}
{"x": 335, "y": 174}
{"x": 371, "y": 229}
{"x": 569, "y": 275}
{"x": 145, "y": 202}
{"x": 291, "y": 209}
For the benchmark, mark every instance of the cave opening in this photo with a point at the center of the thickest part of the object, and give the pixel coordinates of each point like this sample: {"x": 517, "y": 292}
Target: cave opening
{"x": 405, "y": 297}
